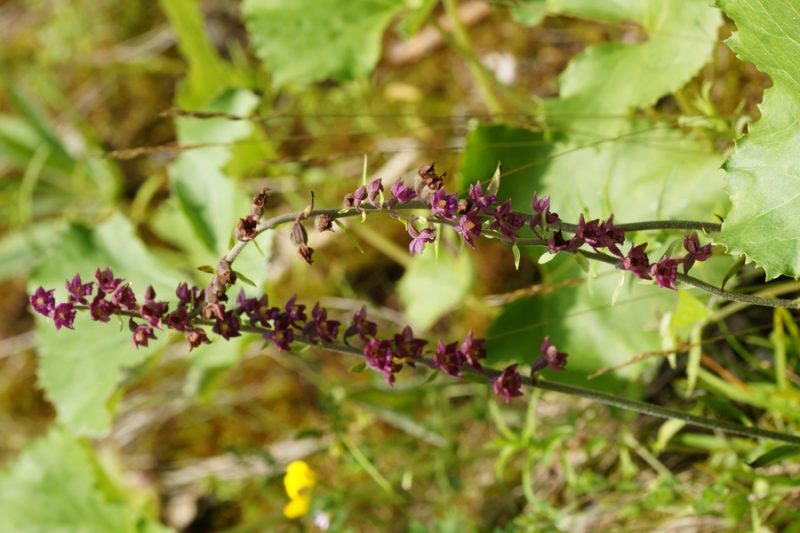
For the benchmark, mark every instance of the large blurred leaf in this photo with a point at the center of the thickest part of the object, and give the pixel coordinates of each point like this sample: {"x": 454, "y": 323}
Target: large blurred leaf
{"x": 763, "y": 174}
{"x": 523, "y": 154}
{"x": 582, "y": 321}
{"x": 55, "y": 486}
{"x": 20, "y": 250}
{"x": 309, "y": 40}
{"x": 208, "y": 74}
{"x": 79, "y": 370}
{"x": 608, "y": 80}
{"x": 646, "y": 172}
{"x": 433, "y": 286}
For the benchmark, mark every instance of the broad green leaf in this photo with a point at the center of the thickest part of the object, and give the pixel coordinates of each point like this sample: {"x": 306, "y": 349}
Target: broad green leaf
{"x": 208, "y": 73}
{"x": 20, "y": 250}
{"x": 80, "y": 370}
{"x": 604, "y": 82}
{"x": 304, "y": 41}
{"x": 643, "y": 173}
{"x": 523, "y": 154}
{"x": 582, "y": 322}
{"x": 55, "y": 485}
{"x": 763, "y": 174}
{"x": 434, "y": 286}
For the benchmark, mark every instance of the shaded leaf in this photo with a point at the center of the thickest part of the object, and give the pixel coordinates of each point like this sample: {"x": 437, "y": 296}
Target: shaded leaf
{"x": 775, "y": 455}
{"x": 309, "y": 40}
{"x": 763, "y": 175}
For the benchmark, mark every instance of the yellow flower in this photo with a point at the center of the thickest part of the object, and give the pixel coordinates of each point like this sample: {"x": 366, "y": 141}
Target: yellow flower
{"x": 298, "y": 482}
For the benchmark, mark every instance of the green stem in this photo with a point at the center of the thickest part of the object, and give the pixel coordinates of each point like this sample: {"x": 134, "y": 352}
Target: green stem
{"x": 465, "y": 48}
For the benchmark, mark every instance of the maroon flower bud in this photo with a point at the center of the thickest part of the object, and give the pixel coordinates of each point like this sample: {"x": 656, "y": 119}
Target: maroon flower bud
{"x": 77, "y": 290}
{"x": 557, "y": 243}
{"x": 295, "y": 313}
{"x": 364, "y": 328}
{"x": 419, "y": 238}
{"x": 374, "y": 188}
{"x": 444, "y": 205}
{"x": 665, "y": 272}
{"x": 64, "y": 315}
{"x": 228, "y": 327}
{"x": 473, "y": 350}
{"x": 124, "y": 297}
{"x": 142, "y": 333}
{"x": 401, "y": 193}
{"x": 178, "y": 319}
{"x": 508, "y": 384}
{"x": 506, "y": 221}
{"x": 469, "y": 226}
{"x": 101, "y": 309}
{"x": 195, "y": 337}
{"x": 106, "y": 281}
{"x": 320, "y": 327}
{"x": 406, "y": 347}
{"x": 550, "y": 357}
{"x": 355, "y": 199}
{"x": 43, "y": 301}
{"x": 151, "y": 310}
{"x": 484, "y": 201}
{"x": 379, "y": 356}
{"x": 637, "y": 262}
{"x": 695, "y": 252}
{"x": 448, "y": 359}
{"x": 323, "y": 222}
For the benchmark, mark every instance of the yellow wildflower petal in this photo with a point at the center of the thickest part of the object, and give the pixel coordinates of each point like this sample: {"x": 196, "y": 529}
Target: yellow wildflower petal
{"x": 299, "y": 479}
{"x": 298, "y": 506}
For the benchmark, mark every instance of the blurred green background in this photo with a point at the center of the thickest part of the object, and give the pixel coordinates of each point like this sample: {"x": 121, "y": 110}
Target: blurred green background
{"x": 132, "y": 135}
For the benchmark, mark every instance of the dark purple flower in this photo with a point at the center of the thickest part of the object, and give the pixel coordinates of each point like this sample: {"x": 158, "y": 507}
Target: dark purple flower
{"x": 64, "y": 315}
{"x": 444, "y": 205}
{"x": 401, "y": 194}
{"x": 407, "y": 348}
{"x": 257, "y": 309}
{"x": 506, "y": 221}
{"x": 473, "y": 350}
{"x": 101, "y": 309}
{"x": 361, "y": 326}
{"x": 419, "y": 238}
{"x": 106, "y": 281}
{"x": 550, "y": 357}
{"x": 637, "y": 262}
{"x": 43, "y": 301}
{"x": 183, "y": 294}
{"x": 695, "y": 252}
{"x": 281, "y": 335}
{"x": 295, "y": 313}
{"x": 469, "y": 226}
{"x": 508, "y": 384}
{"x": 151, "y": 310}
{"x": 373, "y": 190}
{"x": 195, "y": 337}
{"x": 320, "y": 327}
{"x": 124, "y": 297}
{"x": 557, "y": 243}
{"x": 665, "y": 272}
{"x": 142, "y": 333}
{"x": 178, "y": 319}
{"x": 448, "y": 359}
{"x": 482, "y": 200}
{"x": 540, "y": 207}
{"x": 379, "y": 356}
{"x": 77, "y": 290}
{"x": 229, "y": 326}
{"x": 355, "y": 199}
{"x": 598, "y": 235}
